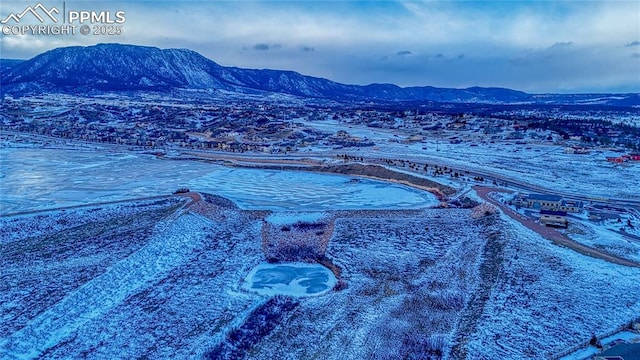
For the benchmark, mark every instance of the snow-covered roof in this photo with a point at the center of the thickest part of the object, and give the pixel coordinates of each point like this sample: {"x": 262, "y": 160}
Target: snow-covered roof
{"x": 544, "y": 197}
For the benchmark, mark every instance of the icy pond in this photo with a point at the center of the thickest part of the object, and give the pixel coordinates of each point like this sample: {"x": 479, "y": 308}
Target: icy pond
{"x": 33, "y": 178}
{"x": 294, "y": 279}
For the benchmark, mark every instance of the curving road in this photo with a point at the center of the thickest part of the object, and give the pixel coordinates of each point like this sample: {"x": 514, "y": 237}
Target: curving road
{"x": 550, "y": 233}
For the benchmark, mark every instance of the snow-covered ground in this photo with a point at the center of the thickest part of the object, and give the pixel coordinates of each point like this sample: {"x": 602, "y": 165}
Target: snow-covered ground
{"x": 168, "y": 292}
{"x": 407, "y": 280}
{"x": 541, "y": 164}
{"x": 603, "y": 235}
{"x": 132, "y": 280}
{"x": 548, "y": 298}
{"x": 154, "y": 280}
{"x": 290, "y": 218}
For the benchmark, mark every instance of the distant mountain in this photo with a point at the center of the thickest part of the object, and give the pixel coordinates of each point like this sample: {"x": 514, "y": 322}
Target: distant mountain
{"x": 113, "y": 67}
{"x": 7, "y": 64}
{"x": 117, "y": 67}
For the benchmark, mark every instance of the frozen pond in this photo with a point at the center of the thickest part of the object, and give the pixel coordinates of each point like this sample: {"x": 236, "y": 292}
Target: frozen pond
{"x": 32, "y": 178}
{"x": 294, "y": 279}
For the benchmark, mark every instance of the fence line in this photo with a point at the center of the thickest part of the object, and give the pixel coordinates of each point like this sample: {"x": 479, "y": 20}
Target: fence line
{"x": 587, "y": 343}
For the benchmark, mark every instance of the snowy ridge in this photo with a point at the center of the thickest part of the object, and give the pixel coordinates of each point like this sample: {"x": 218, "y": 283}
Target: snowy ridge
{"x": 559, "y": 296}
{"x": 170, "y": 246}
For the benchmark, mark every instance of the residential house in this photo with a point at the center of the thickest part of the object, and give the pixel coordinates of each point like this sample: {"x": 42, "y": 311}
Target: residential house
{"x": 553, "y": 218}
{"x": 576, "y": 150}
{"x": 547, "y": 202}
{"x": 617, "y": 160}
{"x": 543, "y": 201}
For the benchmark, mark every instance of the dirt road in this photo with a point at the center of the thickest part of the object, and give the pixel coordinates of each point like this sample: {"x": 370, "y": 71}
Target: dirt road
{"x": 551, "y": 233}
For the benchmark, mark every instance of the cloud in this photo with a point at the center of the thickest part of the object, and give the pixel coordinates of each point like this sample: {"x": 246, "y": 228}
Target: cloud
{"x": 366, "y": 42}
{"x": 561, "y": 45}
{"x": 265, "y": 47}
{"x": 261, "y": 46}
{"x": 635, "y": 55}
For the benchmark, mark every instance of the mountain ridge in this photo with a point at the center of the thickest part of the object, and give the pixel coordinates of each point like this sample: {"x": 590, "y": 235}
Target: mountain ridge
{"x": 122, "y": 67}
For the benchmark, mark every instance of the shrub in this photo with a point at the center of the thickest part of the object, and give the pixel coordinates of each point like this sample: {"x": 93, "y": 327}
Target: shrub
{"x": 483, "y": 210}
{"x": 305, "y": 225}
{"x": 415, "y": 347}
{"x": 340, "y": 285}
{"x": 257, "y": 325}
{"x": 446, "y": 300}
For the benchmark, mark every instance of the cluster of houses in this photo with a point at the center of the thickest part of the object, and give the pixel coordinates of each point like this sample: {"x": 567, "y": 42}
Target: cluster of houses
{"x": 553, "y": 209}
{"x": 272, "y": 127}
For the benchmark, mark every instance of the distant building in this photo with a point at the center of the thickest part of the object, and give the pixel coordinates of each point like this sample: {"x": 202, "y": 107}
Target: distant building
{"x": 573, "y": 206}
{"x": 602, "y": 215}
{"x": 547, "y": 202}
{"x": 541, "y": 201}
{"x": 617, "y": 160}
{"x": 576, "y": 150}
{"x": 553, "y": 218}
{"x": 414, "y": 138}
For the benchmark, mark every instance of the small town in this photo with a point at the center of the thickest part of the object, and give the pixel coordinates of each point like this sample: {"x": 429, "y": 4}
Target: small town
{"x": 246, "y": 126}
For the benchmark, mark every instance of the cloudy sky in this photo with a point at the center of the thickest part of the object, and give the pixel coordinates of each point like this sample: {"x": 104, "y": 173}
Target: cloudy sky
{"x": 534, "y": 46}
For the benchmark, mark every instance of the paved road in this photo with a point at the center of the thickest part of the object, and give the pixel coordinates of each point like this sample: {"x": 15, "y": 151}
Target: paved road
{"x": 550, "y": 233}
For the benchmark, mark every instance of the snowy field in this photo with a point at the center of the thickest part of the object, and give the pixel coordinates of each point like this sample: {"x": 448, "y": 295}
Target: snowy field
{"x": 151, "y": 279}
{"x": 175, "y": 289}
{"x": 544, "y": 165}
{"x": 603, "y": 235}
{"x": 33, "y": 178}
{"x": 290, "y": 218}
{"x": 127, "y": 286}
{"x": 547, "y": 299}
{"x": 407, "y": 282}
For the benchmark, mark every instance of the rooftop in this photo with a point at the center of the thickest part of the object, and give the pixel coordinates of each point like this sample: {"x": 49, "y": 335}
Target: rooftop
{"x": 551, "y": 212}
{"x": 544, "y": 197}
